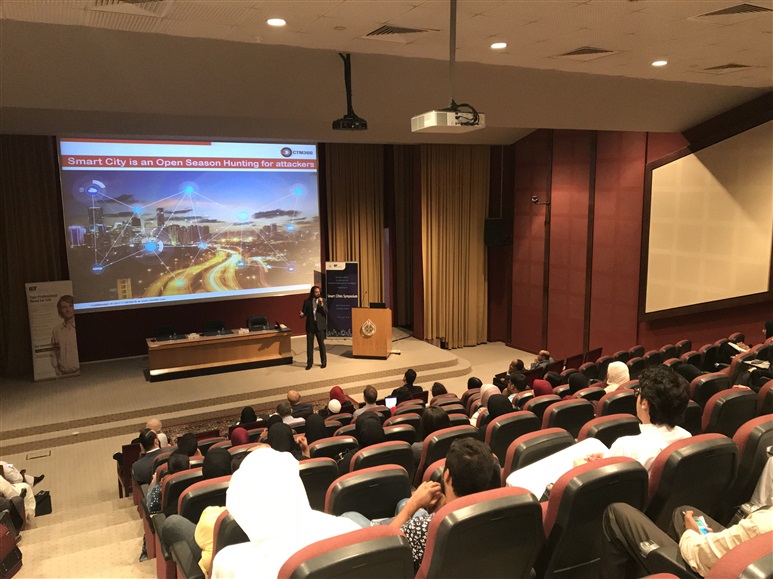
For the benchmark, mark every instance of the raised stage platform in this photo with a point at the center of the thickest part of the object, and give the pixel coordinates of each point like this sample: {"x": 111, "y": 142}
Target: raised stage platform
{"x": 113, "y": 397}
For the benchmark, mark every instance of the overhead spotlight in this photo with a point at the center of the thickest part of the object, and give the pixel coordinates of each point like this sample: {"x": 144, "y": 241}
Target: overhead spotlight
{"x": 499, "y": 45}
{"x": 275, "y": 22}
{"x": 536, "y": 201}
{"x": 350, "y": 121}
{"x": 660, "y": 63}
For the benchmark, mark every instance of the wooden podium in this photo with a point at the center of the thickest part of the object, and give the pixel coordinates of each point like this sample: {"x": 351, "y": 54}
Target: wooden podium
{"x": 371, "y": 332}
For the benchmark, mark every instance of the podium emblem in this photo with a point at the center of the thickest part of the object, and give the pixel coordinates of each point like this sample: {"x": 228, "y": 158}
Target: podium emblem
{"x": 368, "y": 328}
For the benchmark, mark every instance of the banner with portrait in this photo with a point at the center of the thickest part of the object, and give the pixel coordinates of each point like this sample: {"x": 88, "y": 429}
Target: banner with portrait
{"x": 51, "y": 310}
{"x": 342, "y": 290}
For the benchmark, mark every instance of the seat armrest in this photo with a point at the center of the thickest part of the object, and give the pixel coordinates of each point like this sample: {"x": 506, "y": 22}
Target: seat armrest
{"x": 186, "y": 565}
{"x": 668, "y": 559}
{"x": 156, "y": 521}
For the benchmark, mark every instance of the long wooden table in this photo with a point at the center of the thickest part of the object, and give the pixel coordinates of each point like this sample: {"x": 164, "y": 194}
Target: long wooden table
{"x": 205, "y": 354}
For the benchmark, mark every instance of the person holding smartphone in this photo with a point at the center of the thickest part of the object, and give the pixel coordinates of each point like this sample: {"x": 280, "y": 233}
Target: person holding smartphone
{"x": 315, "y": 311}
{"x": 629, "y": 536}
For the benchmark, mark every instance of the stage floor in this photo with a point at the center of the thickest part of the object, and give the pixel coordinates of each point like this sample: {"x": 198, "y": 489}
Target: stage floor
{"x": 113, "y": 397}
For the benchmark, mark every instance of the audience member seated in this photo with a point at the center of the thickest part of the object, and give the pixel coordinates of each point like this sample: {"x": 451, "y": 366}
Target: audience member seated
{"x": 239, "y": 436}
{"x": 142, "y": 470}
{"x": 315, "y": 428}
{"x": 370, "y": 394}
{"x": 542, "y": 388}
{"x": 248, "y": 416}
{"x": 299, "y": 410}
{"x": 617, "y": 374}
{"x": 200, "y": 536}
{"x": 624, "y": 528}
{"x": 348, "y": 404}
{"x": 188, "y": 445}
{"x": 268, "y": 500}
{"x": 333, "y": 407}
{"x": 469, "y": 468}
{"x": 515, "y": 366}
{"x": 434, "y": 418}
{"x": 14, "y": 476}
{"x": 281, "y": 439}
{"x": 554, "y": 379}
{"x": 368, "y": 431}
{"x": 515, "y": 384}
{"x": 155, "y": 425}
{"x": 408, "y": 389}
{"x": 438, "y": 389}
{"x": 497, "y": 405}
{"x": 21, "y": 489}
{"x": 577, "y": 382}
{"x": 542, "y": 360}
{"x": 474, "y": 382}
{"x": 486, "y": 392}
{"x": 285, "y": 412}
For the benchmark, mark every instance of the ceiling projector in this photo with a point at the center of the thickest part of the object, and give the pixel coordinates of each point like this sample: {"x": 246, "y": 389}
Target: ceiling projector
{"x": 350, "y": 123}
{"x": 448, "y": 122}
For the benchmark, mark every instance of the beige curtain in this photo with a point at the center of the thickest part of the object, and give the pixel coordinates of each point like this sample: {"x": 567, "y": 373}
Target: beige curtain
{"x": 355, "y": 200}
{"x": 454, "y": 191}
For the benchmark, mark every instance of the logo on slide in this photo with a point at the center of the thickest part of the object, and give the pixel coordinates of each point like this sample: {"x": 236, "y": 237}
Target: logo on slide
{"x": 286, "y": 152}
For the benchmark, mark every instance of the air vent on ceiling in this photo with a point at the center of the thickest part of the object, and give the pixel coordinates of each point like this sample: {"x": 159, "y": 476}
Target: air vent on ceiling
{"x": 725, "y": 68}
{"x": 154, "y": 8}
{"x": 395, "y": 33}
{"x": 585, "y": 53}
{"x": 737, "y": 9}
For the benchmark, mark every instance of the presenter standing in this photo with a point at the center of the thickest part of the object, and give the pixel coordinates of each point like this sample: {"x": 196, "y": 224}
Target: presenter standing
{"x": 315, "y": 312}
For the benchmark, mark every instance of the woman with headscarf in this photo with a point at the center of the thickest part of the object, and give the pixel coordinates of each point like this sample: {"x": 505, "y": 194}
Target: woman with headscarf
{"x": 433, "y": 419}
{"x": 239, "y": 436}
{"x": 347, "y": 404}
{"x": 216, "y": 463}
{"x": 617, "y": 374}
{"x": 486, "y": 392}
{"x": 577, "y": 381}
{"x": 553, "y": 378}
{"x": 368, "y": 431}
{"x": 281, "y": 439}
{"x": 542, "y": 388}
{"x": 498, "y": 405}
{"x": 268, "y": 500}
{"x": 315, "y": 428}
{"x": 248, "y": 416}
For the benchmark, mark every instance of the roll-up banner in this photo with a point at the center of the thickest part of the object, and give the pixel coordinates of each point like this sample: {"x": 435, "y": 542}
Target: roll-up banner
{"x": 51, "y": 311}
{"x": 342, "y": 289}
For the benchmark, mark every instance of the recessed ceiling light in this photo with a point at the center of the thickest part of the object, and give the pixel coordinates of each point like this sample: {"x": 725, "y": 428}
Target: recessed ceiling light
{"x": 660, "y": 63}
{"x": 275, "y": 22}
{"x": 499, "y": 45}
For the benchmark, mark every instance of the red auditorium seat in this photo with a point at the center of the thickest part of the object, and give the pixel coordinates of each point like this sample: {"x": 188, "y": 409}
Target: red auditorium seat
{"x": 693, "y": 418}
{"x": 752, "y": 439}
{"x": 398, "y": 453}
{"x": 242, "y": 449}
{"x": 373, "y": 492}
{"x": 317, "y": 474}
{"x": 226, "y": 532}
{"x": 434, "y": 472}
{"x": 708, "y": 357}
{"x": 254, "y": 435}
{"x": 566, "y": 373}
{"x": 561, "y": 391}
{"x": 705, "y": 386}
{"x": 380, "y": 551}
{"x": 570, "y": 415}
{"x": 669, "y": 351}
{"x": 520, "y": 399}
{"x": 589, "y": 370}
{"x": 332, "y": 446}
{"x": 727, "y": 411}
{"x": 765, "y": 399}
{"x": 503, "y": 430}
{"x": 404, "y": 432}
{"x": 572, "y": 519}
{"x": 455, "y": 408}
{"x": 539, "y": 404}
{"x": 470, "y": 403}
{"x": 130, "y": 453}
{"x": 383, "y": 411}
{"x": 620, "y": 401}
{"x": 636, "y": 366}
{"x": 226, "y": 444}
{"x": 736, "y": 337}
{"x": 467, "y": 393}
{"x": 408, "y": 418}
{"x": 529, "y": 448}
{"x": 343, "y": 417}
{"x": 672, "y": 363}
{"x": 206, "y": 444}
{"x": 479, "y": 420}
{"x": 682, "y": 347}
{"x": 695, "y": 471}
{"x": 636, "y": 352}
{"x": 162, "y": 457}
{"x": 692, "y": 357}
{"x": 458, "y": 419}
{"x": 410, "y": 409}
{"x": 491, "y": 534}
{"x": 332, "y": 426}
{"x": 621, "y": 356}
{"x": 347, "y": 430}
{"x": 441, "y": 399}
{"x": 750, "y": 559}
{"x": 609, "y": 428}
{"x": 437, "y": 444}
{"x": 601, "y": 366}
{"x": 591, "y": 394}
{"x": 737, "y": 366}
{"x": 653, "y": 358}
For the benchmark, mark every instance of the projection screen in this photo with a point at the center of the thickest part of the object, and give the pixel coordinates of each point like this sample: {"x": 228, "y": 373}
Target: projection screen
{"x": 158, "y": 222}
{"x": 711, "y": 223}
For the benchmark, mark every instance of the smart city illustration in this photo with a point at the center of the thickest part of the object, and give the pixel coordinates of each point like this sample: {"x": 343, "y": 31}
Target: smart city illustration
{"x": 145, "y": 234}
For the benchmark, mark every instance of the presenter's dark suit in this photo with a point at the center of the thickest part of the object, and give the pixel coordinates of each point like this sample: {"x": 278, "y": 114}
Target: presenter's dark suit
{"x": 315, "y": 326}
